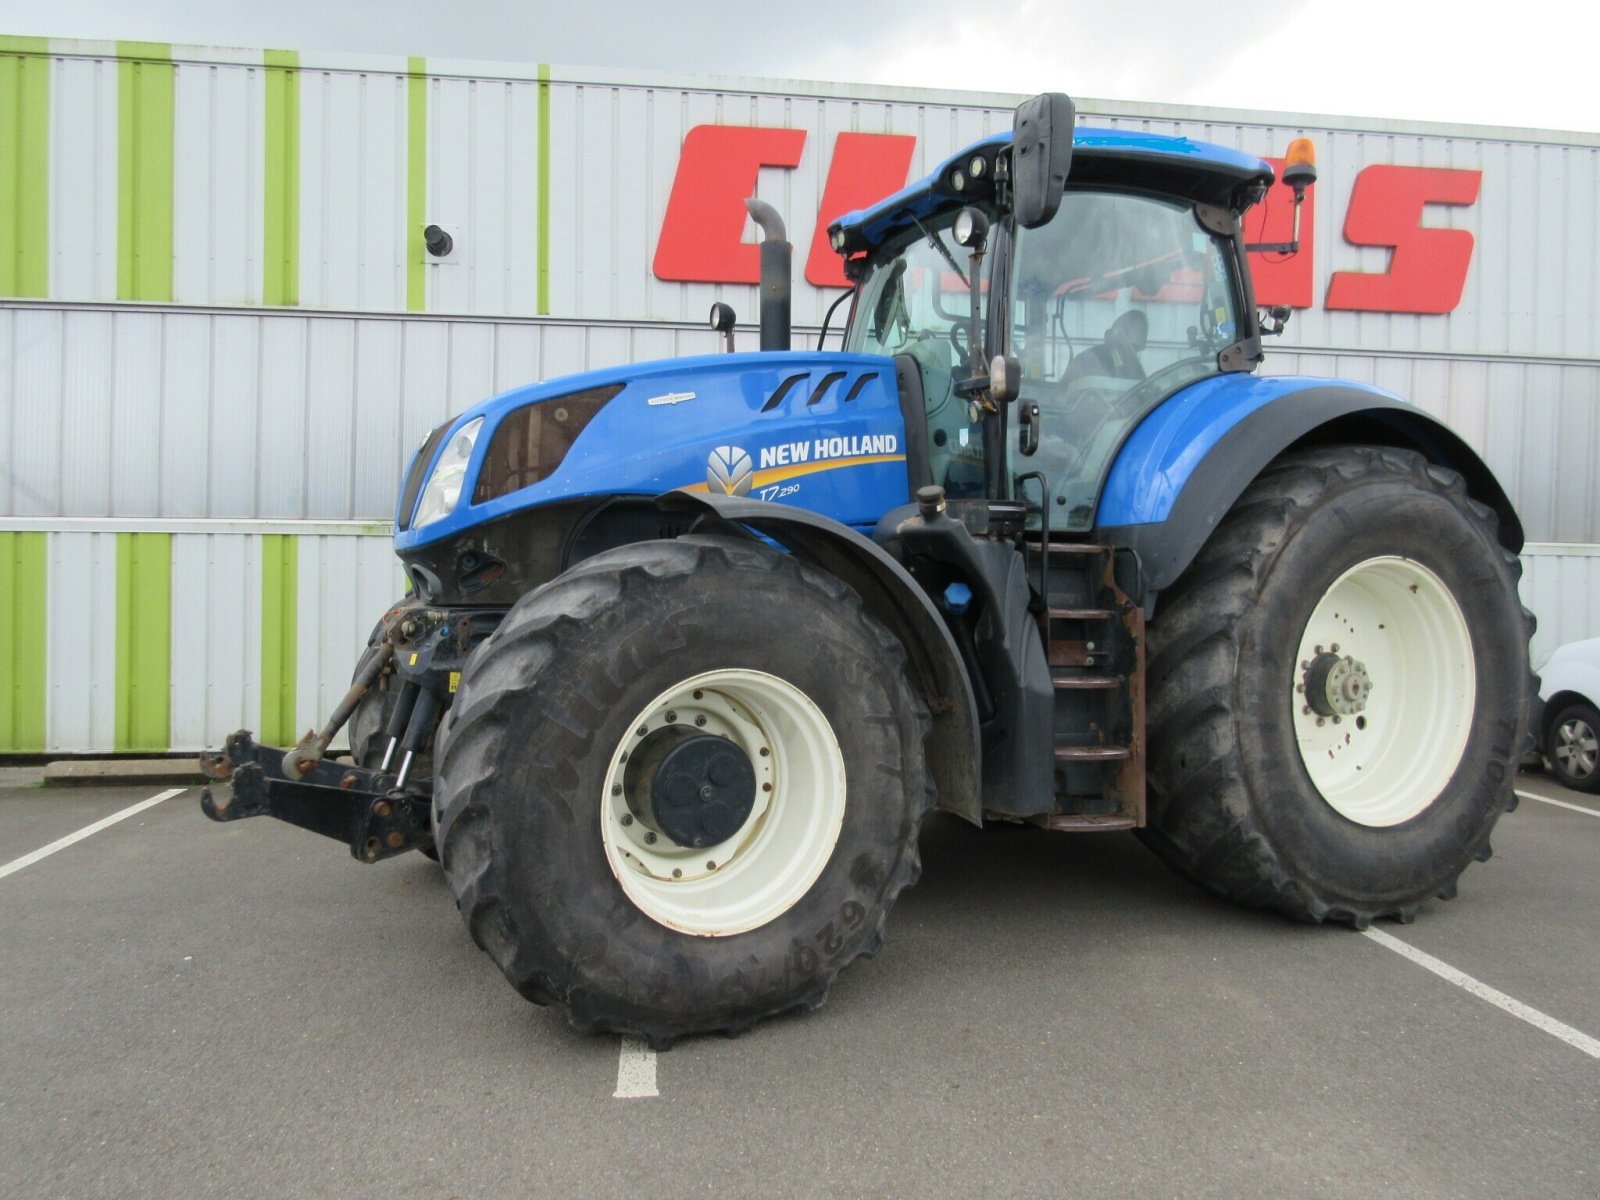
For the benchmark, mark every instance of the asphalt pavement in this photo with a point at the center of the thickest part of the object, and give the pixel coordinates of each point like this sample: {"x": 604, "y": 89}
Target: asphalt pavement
{"x": 195, "y": 1010}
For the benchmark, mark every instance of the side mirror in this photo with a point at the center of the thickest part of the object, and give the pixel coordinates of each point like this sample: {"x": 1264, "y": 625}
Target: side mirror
{"x": 1041, "y": 155}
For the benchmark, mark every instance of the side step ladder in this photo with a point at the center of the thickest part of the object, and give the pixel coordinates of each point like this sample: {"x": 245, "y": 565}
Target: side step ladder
{"x": 1094, "y": 635}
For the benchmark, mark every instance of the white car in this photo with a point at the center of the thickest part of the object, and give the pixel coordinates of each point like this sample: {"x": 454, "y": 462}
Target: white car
{"x": 1569, "y": 727}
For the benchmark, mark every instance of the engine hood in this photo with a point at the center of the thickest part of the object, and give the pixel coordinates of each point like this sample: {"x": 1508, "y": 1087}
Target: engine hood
{"x": 820, "y": 430}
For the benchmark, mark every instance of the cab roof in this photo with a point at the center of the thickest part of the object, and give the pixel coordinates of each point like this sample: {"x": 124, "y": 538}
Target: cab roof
{"x": 1179, "y": 167}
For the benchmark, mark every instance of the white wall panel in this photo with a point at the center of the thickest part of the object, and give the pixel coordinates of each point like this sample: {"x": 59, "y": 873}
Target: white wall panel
{"x": 87, "y": 449}
{"x": 353, "y": 129}
{"x": 186, "y": 415}
{"x": 80, "y": 642}
{"x": 216, "y": 638}
{"x": 135, "y": 401}
{"x": 230, "y": 449}
{"x": 83, "y": 179}
{"x": 37, "y": 377}
{"x": 219, "y": 140}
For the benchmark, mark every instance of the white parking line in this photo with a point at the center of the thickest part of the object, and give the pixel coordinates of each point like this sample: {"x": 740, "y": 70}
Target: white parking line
{"x": 27, "y": 860}
{"x": 636, "y": 1071}
{"x": 1589, "y": 1045}
{"x": 1593, "y": 812}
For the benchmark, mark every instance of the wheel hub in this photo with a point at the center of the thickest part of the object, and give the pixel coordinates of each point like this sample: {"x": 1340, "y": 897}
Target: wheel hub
{"x": 1337, "y": 686}
{"x": 694, "y": 789}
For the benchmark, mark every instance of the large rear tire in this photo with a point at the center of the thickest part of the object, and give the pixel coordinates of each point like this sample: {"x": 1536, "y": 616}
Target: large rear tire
{"x": 1338, "y": 690}
{"x": 680, "y": 788}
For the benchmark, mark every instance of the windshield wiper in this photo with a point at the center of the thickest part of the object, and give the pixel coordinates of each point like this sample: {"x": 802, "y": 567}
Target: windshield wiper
{"x": 941, "y": 248}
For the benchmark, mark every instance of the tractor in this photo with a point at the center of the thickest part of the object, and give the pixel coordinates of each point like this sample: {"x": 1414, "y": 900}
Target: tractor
{"x": 690, "y": 649}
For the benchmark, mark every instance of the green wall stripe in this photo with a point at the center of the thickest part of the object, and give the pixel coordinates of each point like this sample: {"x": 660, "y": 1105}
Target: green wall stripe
{"x": 280, "y": 579}
{"x": 416, "y": 184}
{"x": 24, "y": 166}
{"x": 542, "y": 233}
{"x": 22, "y": 641}
{"x": 280, "y": 256}
{"x": 145, "y": 85}
{"x": 144, "y": 641}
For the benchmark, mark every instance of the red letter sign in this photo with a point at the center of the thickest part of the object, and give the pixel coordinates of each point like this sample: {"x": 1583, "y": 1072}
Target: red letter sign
{"x": 1279, "y": 279}
{"x": 1428, "y": 268}
{"x": 866, "y": 167}
{"x": 702, "y": 235}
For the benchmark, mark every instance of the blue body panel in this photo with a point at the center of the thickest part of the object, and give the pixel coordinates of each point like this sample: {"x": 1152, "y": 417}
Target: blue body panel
{"x": 1164, "y": 450}
{"x": 839, "y": 451}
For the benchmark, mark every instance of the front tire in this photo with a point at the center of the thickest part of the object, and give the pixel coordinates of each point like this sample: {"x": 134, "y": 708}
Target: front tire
{"x": 1338, "y": 690}
{"x": 680, "y": 788}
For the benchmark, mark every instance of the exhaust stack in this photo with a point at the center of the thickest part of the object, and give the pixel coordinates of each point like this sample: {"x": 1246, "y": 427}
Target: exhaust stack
{"x": 776, "y": 255}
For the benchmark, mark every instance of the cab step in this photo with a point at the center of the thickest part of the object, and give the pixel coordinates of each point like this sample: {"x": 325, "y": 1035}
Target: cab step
{"x": 1069, "y": 683}
{"x": 1088, "y": 823}
{"x": 1073, "y": 754}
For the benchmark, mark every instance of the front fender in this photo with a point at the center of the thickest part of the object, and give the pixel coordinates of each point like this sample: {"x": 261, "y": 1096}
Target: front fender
{"x": 1187, "y": 463}
{"x": 893, "y": 598}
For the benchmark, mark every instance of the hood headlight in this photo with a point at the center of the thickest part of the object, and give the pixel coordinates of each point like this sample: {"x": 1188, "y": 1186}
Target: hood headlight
{"x": 439, "y": 497}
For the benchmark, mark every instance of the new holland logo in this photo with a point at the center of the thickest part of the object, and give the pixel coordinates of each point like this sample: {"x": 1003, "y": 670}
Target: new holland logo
{"x": 729, "y": 472}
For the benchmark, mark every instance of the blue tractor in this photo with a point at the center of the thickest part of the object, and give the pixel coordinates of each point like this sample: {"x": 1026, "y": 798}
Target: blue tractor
{"x": 693, "y": 647}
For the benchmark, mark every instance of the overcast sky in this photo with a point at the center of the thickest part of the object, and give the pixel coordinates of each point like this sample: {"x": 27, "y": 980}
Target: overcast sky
{"x": 1462, "y": 61}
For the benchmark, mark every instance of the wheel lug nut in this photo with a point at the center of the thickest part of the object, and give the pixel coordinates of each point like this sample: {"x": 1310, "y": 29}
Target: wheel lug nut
{"x": 765, "y": 752}
{"x": 766, "y": 787}
{"x": 711, "y": 866}
{"x": 642, "y": 730}
{"x": 650, "y": 838}
{"x": 627, "y": 818}
{"x": 616, "y": 789}
{"x": 699, "y": 720}
{"x": 1334, "y": 648}
{"x": 677, "y": 872}
{"x": 1321, "y": 722}
{"x": 672, "y": 718}
{"x": 699, "y": 695}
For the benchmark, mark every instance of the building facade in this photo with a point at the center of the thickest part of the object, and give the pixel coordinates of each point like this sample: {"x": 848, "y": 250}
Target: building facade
{"x": 221, "y": 334}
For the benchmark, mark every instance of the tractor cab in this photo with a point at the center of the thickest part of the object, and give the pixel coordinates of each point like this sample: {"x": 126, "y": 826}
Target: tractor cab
{"x": 1133, "y": 287}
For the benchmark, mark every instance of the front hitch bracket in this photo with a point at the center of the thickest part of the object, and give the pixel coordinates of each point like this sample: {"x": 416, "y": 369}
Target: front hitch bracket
{"x": 362, "y": 808}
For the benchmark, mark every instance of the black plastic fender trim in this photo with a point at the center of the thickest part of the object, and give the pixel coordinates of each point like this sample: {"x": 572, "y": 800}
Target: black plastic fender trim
{"x": 893, "y": 597}
{"x": 1325, "y": 415}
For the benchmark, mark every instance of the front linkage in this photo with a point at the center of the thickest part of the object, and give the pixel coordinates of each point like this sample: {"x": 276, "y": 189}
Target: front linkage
{"x": 377, "y": 812}
{"x": 360, "y": 807}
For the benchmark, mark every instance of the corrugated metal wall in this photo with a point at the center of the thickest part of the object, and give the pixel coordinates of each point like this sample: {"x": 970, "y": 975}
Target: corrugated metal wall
{"x": 221, "y": 309}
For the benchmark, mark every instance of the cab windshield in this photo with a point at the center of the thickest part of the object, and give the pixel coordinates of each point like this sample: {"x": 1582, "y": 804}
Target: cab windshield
{"x": 1115, "y": 304}
{"x": 915, "y": 300}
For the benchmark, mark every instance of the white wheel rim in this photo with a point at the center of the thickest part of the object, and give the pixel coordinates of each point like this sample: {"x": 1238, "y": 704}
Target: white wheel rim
{"x": 1394, "y": 741}
{"x": 765, "y": 867}
{"x": 1577, "y": 748}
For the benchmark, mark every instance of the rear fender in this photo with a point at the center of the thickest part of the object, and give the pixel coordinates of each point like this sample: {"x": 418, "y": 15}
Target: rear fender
{"x": 893, "y": 598}
{"x": 1187, "y": 463}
